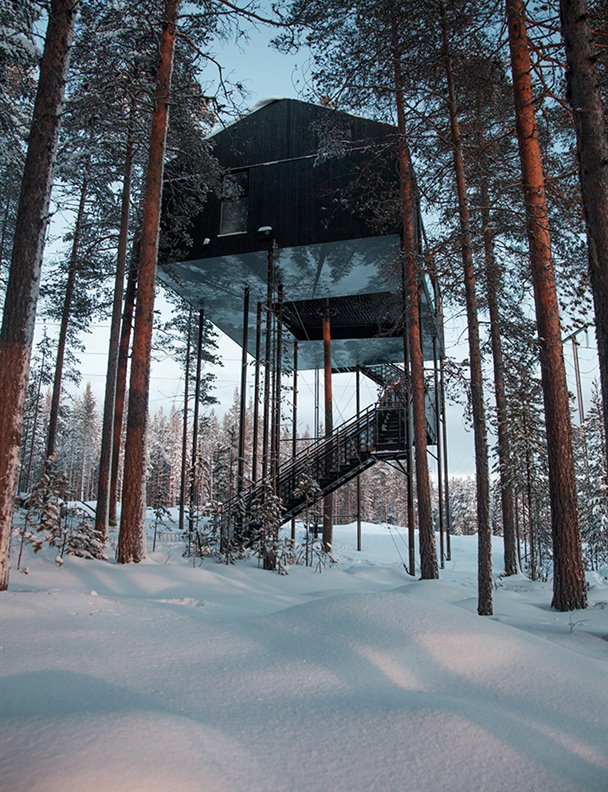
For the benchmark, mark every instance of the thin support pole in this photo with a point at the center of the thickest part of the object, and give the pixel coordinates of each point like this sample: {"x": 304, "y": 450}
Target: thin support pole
{"x": 243, "y": 403}
{"x": 256, "y": 394}
{"x": 35, "y": 422}
{"x": 517, "y": 533}
{"x": 446, "y": 480}
{"x": 579, "y": 399}
{"x": 197, "y": 390}
{"x": 294, "y": 424}
{"x": 409, "y": 460}
{"x": 439, "y": 457}
{"x": 316, "y": 408}
{"x": 267, "y": 353}
{"x": 358, "y": 401}
{"x": 577, "y": 375}
{"x": 277, "y": 389}
{"x": 328, "y": 501}
{"x": 184, "y": 460}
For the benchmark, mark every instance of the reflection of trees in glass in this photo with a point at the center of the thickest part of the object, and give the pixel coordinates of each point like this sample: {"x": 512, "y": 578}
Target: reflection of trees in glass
{"x": 235, "y": 203}
{"x": 322, "y": 270}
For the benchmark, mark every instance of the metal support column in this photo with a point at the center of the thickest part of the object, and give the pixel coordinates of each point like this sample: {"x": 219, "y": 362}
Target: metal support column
{"x": 358, "y": 401}
{"x": 409, "y": 459}
{"x": 267, "y": 354}
{"x": 184, "y": 460}
{"x": 240, "y": 474}
{"x": 328, "y": 501}
{"x": 294, "y": 423}
{"x": 197, "y": 391}
{"x": 439, "y": 455}
{"x": 278, "y": 367}
{"x": 256, "y": 394}
{"x": 316, "y": 409}
{"x": 446, "y": 480}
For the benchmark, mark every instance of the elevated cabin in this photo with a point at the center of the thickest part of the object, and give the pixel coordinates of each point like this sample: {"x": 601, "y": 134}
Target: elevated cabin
{"x": 314, "y": 185}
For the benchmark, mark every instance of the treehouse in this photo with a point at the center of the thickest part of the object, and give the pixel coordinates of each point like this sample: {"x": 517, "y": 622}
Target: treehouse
{"x": 318, "y": 188}
{"x": 301, "y": 251}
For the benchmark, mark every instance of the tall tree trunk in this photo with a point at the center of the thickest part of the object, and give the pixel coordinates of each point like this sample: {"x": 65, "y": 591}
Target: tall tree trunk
{"x": 492, "y": 291}
{"x": 502, "y": 415}
{"x": 131, "y": 538}
{"x": 66, "y": 312}
{"x": 19, "y": 317}
{"x": 569, "y": 591}
{"x": 105, "y": 454}
{"x": 482, "y": 478}
{"x": 121, "y": 376}
{"x": 592, "y": 146}
{"x": 426, "y": 534}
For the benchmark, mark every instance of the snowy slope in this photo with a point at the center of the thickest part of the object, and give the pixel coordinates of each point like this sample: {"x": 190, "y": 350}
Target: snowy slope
{"x": 162, "y": 677}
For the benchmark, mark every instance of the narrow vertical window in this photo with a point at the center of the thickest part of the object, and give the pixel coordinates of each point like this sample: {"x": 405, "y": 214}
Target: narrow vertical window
{"x": 235, "y": 199}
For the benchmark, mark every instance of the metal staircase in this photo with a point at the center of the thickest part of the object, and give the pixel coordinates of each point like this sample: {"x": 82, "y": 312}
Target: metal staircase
{"x": 377, "y": 433}
{"x": 390, "y": 378}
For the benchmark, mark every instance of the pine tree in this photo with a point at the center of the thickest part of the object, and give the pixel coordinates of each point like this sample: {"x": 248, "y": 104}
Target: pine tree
{"x": 131, "y": 540}
{"x": 569, "y": 591}
{"x": 19, "y": 56}
{"x": 16, "y": 335}
{"x": 592, "y": 476}
{"x": 589, "y": 111}
{"x": 484, "y": 605}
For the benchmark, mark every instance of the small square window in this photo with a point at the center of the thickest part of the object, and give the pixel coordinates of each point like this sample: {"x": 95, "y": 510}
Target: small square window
{"x": 235, "y": 203}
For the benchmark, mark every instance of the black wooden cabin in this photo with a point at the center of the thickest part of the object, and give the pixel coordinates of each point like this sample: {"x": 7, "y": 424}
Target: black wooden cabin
{"x": 317, "y": 186}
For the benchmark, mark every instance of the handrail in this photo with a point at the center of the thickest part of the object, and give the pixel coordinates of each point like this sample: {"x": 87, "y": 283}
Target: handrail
{"x": 349, "y": 447}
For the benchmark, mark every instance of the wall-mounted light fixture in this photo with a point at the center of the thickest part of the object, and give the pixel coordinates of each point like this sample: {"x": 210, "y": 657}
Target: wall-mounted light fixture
{"x": 265, "y": 232}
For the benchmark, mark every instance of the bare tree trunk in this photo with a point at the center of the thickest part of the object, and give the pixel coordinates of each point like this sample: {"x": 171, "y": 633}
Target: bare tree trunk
{"x": 105, "y": 455}
{"x": 24, "y": 281}
{"x": 484, "y": 529}
{"x": 66, "y": 312}
{"x": 121, "y": 376}
{"x": 569, "y": 591}
{"x": 428, "y": 550}
{"x": 502, "y": 416}
{"x": 592, "y": 145}
{"x": 492, "y": 290}
{"x": 131, "y": 538}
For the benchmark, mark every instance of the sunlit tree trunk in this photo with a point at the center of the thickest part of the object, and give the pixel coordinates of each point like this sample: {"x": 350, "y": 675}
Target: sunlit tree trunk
{"x": 131, "y": 539}
{"x": 17, "y": 332}
{"x": 569, "y": 590}
{"x": 428, "y": 551}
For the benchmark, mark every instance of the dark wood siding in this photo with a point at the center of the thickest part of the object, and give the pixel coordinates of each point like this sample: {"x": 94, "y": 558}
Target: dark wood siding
{"x": 305, "y": 198}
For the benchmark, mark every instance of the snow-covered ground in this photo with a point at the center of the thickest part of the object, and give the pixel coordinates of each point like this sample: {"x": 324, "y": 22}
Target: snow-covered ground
{"x": 162, "y": 677}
